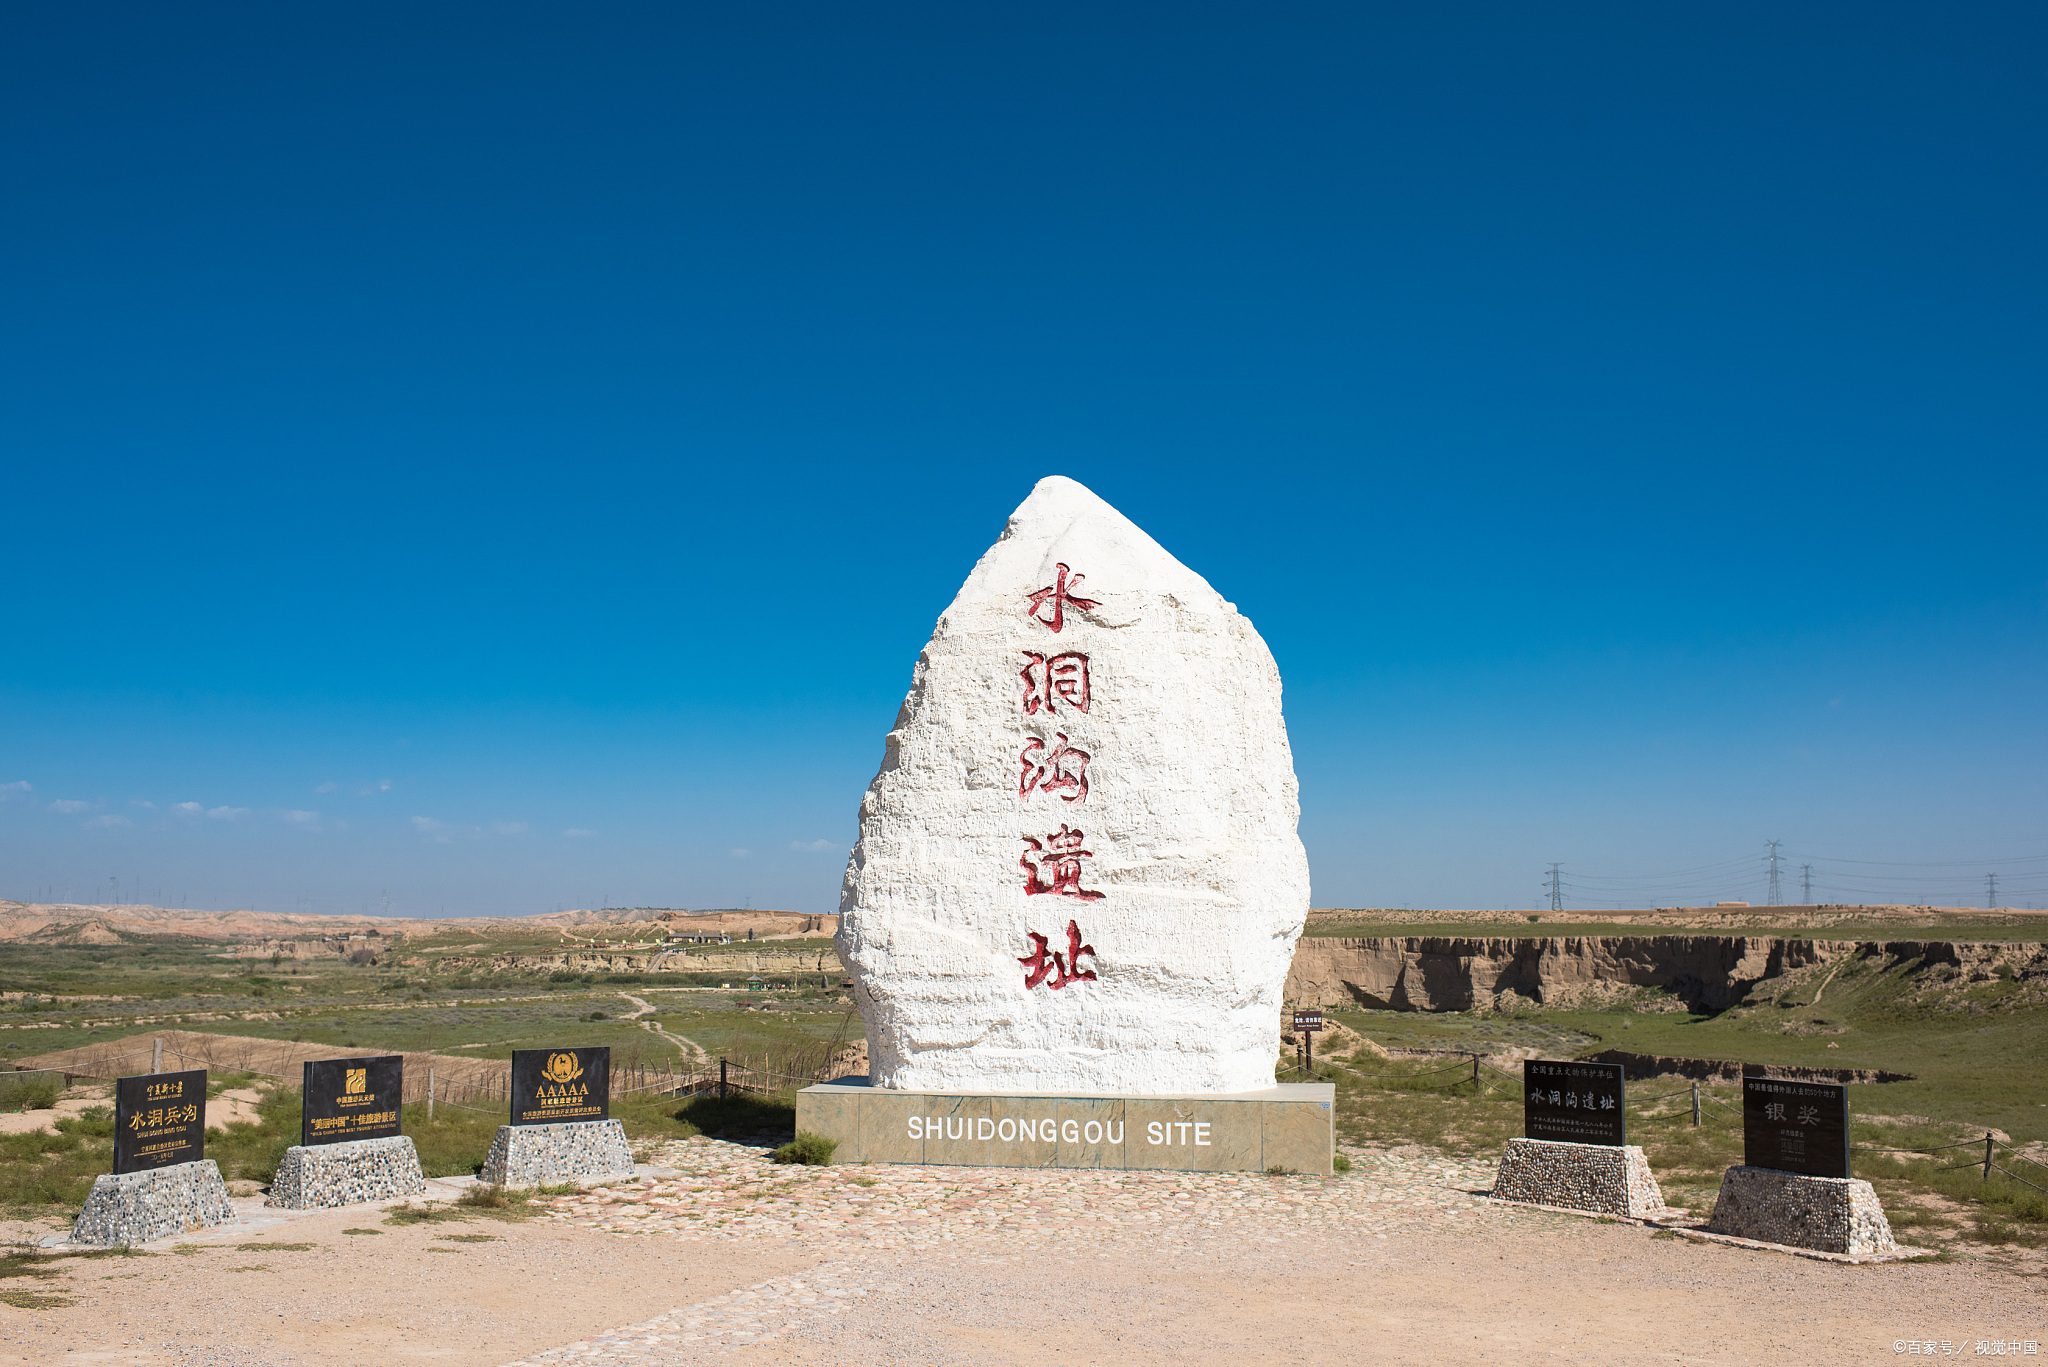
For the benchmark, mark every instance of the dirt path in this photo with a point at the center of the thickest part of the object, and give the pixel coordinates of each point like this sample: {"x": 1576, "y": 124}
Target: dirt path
{"x": 687, "y": 1047}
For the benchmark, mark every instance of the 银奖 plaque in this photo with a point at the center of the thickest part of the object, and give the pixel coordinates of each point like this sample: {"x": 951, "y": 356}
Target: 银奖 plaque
{"x": 351, "y": 1098}
{"x": 159, "y": 1119}
{"x": 1798, "y": 1127}
{"x": 556, "y": 1086}
{"x": 1573, "y": 1103}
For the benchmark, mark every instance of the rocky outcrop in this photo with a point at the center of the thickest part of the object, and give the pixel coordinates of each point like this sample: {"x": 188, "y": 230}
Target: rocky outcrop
{"x": 1457, "y": 973}
{"x": 1704, "y": 972}
{"x": 1728, "y": 1070}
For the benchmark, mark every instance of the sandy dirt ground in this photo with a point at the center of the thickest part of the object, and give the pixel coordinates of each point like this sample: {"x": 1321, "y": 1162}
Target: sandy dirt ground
{"x": 402, "y": 1294}
{"x": 728, "y": 1259}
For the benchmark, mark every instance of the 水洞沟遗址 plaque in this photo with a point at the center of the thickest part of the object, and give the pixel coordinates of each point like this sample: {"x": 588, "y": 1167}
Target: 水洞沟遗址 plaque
{"x": 1078, "y": 866}
{"x": 159, "y": 1120}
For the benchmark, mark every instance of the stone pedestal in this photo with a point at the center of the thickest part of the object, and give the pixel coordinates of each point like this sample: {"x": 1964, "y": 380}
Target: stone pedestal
{"x": 537, "y": 1155}
{"x": 1831, "y": 1214}
{"x": 317, "y": 1175}
{"x": 136, "y": 1207}
{"x": 1290, "y": 1126}
{"x": 1604, "y": 1179}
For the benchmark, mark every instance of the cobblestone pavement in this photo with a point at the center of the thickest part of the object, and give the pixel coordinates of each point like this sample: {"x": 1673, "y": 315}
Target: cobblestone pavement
{"x": 864, "y": 1216}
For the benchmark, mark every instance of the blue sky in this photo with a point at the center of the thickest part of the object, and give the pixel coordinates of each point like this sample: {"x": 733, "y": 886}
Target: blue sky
{"x": 496, "y": 458}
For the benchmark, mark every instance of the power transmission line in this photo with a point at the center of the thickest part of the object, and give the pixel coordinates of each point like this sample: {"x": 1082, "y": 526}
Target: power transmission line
{"x": 1991, "y": 890}
{"x": 1556, "y": 889}
{"x": 1772, "y": 899}
{"x": 1806, "y": 885}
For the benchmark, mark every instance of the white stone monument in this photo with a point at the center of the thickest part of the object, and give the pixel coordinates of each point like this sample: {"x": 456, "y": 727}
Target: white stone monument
{"x": 1078, "y": 874}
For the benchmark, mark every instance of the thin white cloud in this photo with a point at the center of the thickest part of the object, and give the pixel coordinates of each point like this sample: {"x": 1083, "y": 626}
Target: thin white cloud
{"x": 577, "y": 832}
{"x": 187, "y": 808}
{"x": 143, "y": 803}
{"x": 329, "y": 787}
{"x": 814, "y": 846}
{"x": 382, "y": 785}
{"x": 16, "y": 789}
{"x": 227, "y": 813}
{"x": 742, "y": 854}
{"x": 109, "y": 823}
{"x": 68, "y": 805}
{"x": 440, "y": 832}
{"x": 309, "y": 821}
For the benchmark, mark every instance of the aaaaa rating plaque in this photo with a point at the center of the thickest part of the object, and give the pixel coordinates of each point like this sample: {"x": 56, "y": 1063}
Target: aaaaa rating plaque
{"x": 557, "y": 1086}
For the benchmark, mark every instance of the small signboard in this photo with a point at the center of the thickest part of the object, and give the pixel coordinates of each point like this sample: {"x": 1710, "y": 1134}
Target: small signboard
{"x": 1798, "y": 1127}
{"x": 159, "y": 1119}
{"x": 1573, "y": 1102}
{"x": 351, "y": 1098}
{"x": 556, "y": 1086}
{"x": 1308, "y": 1020}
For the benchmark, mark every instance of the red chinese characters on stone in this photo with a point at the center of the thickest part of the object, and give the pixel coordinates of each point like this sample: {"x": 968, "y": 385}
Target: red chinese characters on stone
{"x": 1063, "y": 592}
{"x": 1052, "y": 682}
{"x": 1053, "y": 865}
{"x": 1062, "y": 769}
{"x": 1056, "y": 970}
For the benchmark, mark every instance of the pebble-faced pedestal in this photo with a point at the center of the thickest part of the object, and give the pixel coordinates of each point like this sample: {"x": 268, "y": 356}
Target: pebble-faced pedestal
{"x": 1078, "y": 867}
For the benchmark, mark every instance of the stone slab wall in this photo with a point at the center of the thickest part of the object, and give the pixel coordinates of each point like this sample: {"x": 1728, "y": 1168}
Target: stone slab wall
{"x": 319, "y": 1175}
{"x": 137, "y": 1207}
{"x": 536, "y": 1155}
{"x": 1600, "y": 1178}
{"x": 1832, "y": 1214}
{"x": 1290, "y": 1127}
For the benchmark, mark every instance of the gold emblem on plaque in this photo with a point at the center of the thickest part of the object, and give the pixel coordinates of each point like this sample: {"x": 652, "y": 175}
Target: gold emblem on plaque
{"x": 358, "y": 1080}
{"x": 562, "y": 1068}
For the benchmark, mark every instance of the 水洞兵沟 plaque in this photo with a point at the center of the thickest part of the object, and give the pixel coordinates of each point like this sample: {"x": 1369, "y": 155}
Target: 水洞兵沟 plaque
{"x": 1573, "y": 1103}
{"x": 159, "y": 1119}
{"x": 556, "y": 1086}
{"x": 1798, "y": 1127}
{"x": 351, "y": 1098}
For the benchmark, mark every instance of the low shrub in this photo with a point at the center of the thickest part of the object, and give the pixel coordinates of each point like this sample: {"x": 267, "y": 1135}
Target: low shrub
{"x": 30, "y": 1091}
{"x": 807, "y": 1147}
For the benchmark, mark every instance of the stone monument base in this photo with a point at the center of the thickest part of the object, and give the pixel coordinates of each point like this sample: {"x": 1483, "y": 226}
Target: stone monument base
{"x": 1604, "y": 1179}
{"x": 1831, "y": 1214}
{"x": 316, "y": 1175}
{"x": 1290, "y": 1126}
{"x": 536, "y": 1155}
{"x": 136, "y": 1207}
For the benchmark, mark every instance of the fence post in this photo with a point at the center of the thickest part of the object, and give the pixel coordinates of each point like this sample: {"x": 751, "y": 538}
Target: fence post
{"x": 721, "y": 1079}
{"x": 1475, "y": 1073}
{"x": 430, "y": 1093}
{"x": 1695, "y": 1101}
{"x": 1987, "y": 1155}
{"x": 156, "y": 1055}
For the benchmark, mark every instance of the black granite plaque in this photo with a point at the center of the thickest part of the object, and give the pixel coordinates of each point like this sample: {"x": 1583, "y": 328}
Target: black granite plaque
{"x": 1575, "y": 1103}
{"x": 351, "y": 1098}
{"x": 159, "y": 1119}
{"x": 555, "y": 1086}
{"x": 1798, "y": 1127}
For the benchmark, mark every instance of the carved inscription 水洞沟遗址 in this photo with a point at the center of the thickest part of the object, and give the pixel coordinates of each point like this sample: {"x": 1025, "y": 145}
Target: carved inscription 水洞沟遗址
{"x": 1056, "y": 768}
{"x": 1060, "y": 770}
{"x": 1060, "y": 967}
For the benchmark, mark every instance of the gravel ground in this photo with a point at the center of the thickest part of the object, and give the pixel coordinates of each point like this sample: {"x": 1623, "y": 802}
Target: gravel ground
{"x": 1396, "y": 1261}
{"x": 733, "y": 1260}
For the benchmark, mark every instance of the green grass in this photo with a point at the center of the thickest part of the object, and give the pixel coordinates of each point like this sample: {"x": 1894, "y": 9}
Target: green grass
{"x": 808, "y": 1148}
{"x": 30, "y": 1091}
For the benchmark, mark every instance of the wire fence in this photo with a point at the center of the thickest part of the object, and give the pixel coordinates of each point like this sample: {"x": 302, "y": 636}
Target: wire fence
{"x": 427, "y": 1078}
